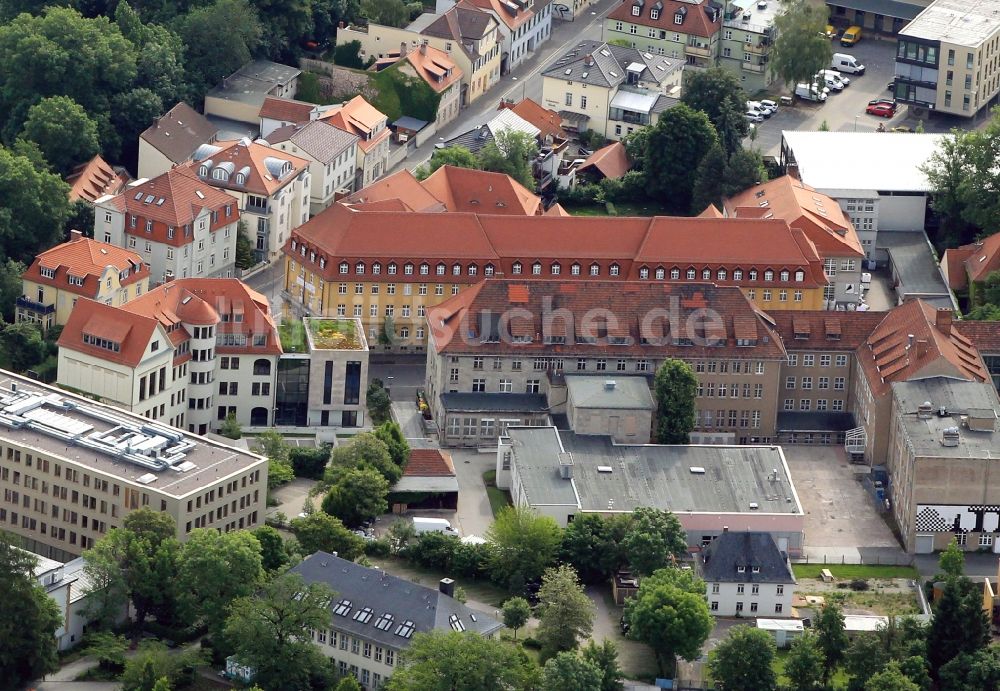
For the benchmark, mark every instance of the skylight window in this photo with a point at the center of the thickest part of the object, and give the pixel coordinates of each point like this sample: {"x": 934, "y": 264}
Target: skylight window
{"x": 384, "y": 622}
{"x": 456, "y": 623}
{"x": 405, "y": 630}
{"x": 364, "y": 615}
{"x": 343, "y": 608}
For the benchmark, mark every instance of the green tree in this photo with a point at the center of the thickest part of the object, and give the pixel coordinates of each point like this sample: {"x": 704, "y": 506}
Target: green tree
{"x": 160, "y": 55}
{"x": 359, "y": 495}
{"x": 717, "y": 93}
{"x": 348, "y": 55}
{"x": 947, "y": 172}
{"x": 391, "y": 434}
{"x": 801, "y": 49}
{"x": 457, "y": 156}
{"x": 162, "y": 684}
{"x": 958, "y": 625}
{"x": 670, "y": 615}
{"x": 364, "y": 450}
{"x": 744, "y": 169}
{"x": 284, "y": 25}
{"x": 452, "y": 661}
{"x": 675, "y": 146}
{"x": 10, "y": 287}
{"x": 266, "y": 631}
{"x": 63, "y": 131}
{"x": 979, "y": 670}
{"x": 321, "y": 532}
{"x": 653, "y": 539}
{"x": 386, "y": 12}
{"x": 213, "y": 570}
{"x": 523, "y": 544}
{"x": 804, "y": 665}
{"x": 708, "y": 179}
{"x": 605, "y": 658}
{"x": 220, "y": 38}
{"x": 742, "y": 662}
{"x": 348, "y": 683}
{"x": 153, "y": 661}
{"x": 28, "y": 619}
{"x": 952, "y": 560}
{"x": 108, "y": 648}
{"x": 984, "y": 313}
{"x": 510, "y": 152}
{"x": 674, "y": 388}
{"x": 22, "y": 346}
{"x": 570, "y": 671}
{"x": 378, "y": 403}
{"x": 831, "y": 637}
{"x": 890, "y": 679}
{"x": 273, "y": 554}
{"x": 592, "y": 544}
{"x": 636, "y": 144}
{"x": 824, "y": 127}
{"x": 132, "y": 112}
{"x": 244, "y": 249}
{"x": 272, "y": 445}
{"x": 991, "y": 288}
{"x": 565, "y": 613}
{"x": 34, "y": 204}
{"x": 901, "y": 639}
{"x": 309, "y": 463}
{"x": 230, "y": 427}
{"x": 516, "y": 612}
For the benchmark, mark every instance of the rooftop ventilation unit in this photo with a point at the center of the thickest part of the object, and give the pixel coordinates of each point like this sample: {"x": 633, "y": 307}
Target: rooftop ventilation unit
{"x": 925, "y": 411}
{"x": 950, "y": 436}
{"x": 610, "y": 384}
{"x": 697, "y": 470}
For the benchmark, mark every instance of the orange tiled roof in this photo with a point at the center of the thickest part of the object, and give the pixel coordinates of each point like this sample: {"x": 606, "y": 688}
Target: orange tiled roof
{"x": 401, "y": 187}
{"x": 973, "y": 262}
{"x": 889, "y": 355}
{"x": 461, "y": 324}
{"x": 93, "y": 180}
{"x": 696, "y": 18}
{"x": 434, "y": 66}
{"x": 547, "y": 121}
{"x": 818, "y": 215}
{"x": 87, "y": 259}
{"x": 824, "y": 329}
{"x": 556, "y": 210}
{"x": 359, "y": 117}
{"x": 985, "y": 336}
{"x": 286, "y": 109}
{"x": 618, "y": 246}
{"x": 131, "y": 331}
{"x": 267, "y": 170}
{"x": 511, "y": 15}
{"x": 611, "y": 161}
{"x": 429, "y": 463}
{"x": 465, "y": 189}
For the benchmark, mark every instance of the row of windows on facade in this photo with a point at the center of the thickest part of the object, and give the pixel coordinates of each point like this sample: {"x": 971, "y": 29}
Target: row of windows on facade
{"x": 489, "y": 428}
{"x": 806, "y": 404}
{"x": 808, "y": 360}
{"x": 390, "y": 289}
{"x": 243, "y": 522}
{"x": 747, "y": 419}
{"x": 78, "y": 280}
{"x": 358, "y": 646}
{"x": 714, "y": 606}
{"x": 133, "y": 222}
{"x": 223, "y": 511}
{"x": 821, "y": 383}
{"x": 601, "y": 364}
{"x": 55, "y": 533}
{"x": 41, "y": 507}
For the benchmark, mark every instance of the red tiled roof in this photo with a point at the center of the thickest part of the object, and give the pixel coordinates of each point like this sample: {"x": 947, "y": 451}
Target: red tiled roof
{"x": 253, "y": 159}
{"x": 973, "y": 262}
{"x": 130, "y": 331}
{"x": 481, "y": 191}
{"x": 611, "y": 161}
{"x": 401, "y": 187}
{"x": 696, "y": 18}
{"x": 823, "y": 329}
{"x": 434, "y": 66}
{"x": 359, "y": 117}
{"x": 429, "y": 463}
{"x": 889, "y": 355}
{"x": 464, "y": 323}
{"x": 340, "y": 234}
{"x": 547, "y": 121}
{"x": 803, "y": 207}
{"x": 87, "y": 259}
{"x": 953, "y": 266}
{"x": 984, "y": 335}
{"x": 174, "y": 200}
{"x": 94, "y": 179}
{"x": 285, "y": 109}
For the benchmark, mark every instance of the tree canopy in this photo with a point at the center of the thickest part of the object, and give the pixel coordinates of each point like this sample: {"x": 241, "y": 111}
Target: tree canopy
{"x": 674, "y": 147}
{"x": 565, "y": 613}
{"x": 802, "y": 48}
{"x": 321, "y": 532}
{"x": 742, "y": 662}
{"x": 523, "y": 544}
{"x": 674, "y": 388}
{"x": 717, "y": 92}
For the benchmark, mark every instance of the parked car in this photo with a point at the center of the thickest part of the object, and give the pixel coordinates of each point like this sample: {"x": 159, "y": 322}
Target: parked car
{"x": 754, "y": 116}
{"x": 850, "y": 36}
{"x": 770, "y": 104}
{"x": 830, "y": 82}
{"x": 843, "y": 78}
{"x": 884, "y": 110}
{"x": 890, "y": 101}
{"x": 891, "y": 86}
{"x": 830, "y": 31}
{"x": 756, "y": 107}
{"x": 842, "y": 62}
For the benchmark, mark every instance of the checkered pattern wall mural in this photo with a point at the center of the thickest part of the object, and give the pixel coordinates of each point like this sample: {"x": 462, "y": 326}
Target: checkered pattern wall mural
{"x": 957, "y": 518}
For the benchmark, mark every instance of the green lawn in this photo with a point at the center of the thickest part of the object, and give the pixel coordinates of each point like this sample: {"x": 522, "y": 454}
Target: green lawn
{"x": 293, "y": 336}
{"x": 498, "y": 498}
{"x": 650, "y": 208}
{"x": 852, "y": 571}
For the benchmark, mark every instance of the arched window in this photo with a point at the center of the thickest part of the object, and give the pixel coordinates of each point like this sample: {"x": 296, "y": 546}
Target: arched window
{"x": 516, "y": 269}
{"x": 258, "y": 417}
{"x": 261, "y": 367}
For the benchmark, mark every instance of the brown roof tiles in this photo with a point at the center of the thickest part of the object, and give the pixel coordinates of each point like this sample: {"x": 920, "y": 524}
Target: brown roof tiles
{"x": 87, "y": 259}
{"x": 179, "y": 132}
{"x": 94, "y": 179}
{"x": 697, "y": 19}
{"x": 610, "y": 161}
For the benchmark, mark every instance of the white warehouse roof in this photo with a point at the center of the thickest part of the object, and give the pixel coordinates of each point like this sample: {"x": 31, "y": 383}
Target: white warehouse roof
{"x": 884, "y": 161}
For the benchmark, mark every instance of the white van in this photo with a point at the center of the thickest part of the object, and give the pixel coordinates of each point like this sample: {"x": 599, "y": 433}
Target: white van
{"x": 807, "y": 93}
{"x": 843, "y": 79}
{"x": 842, "y": 62}
{"x": 422, "y": 524}
{"x": 830, "y": 82}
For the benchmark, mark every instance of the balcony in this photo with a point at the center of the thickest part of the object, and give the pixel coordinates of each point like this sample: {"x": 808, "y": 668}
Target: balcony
{"x": 757, "y": 47}
{"x": 23, "y": 302}
{"x": 751, "y": 67}
{"x": 700, "y": 49}
{"x": 256, "y": 208}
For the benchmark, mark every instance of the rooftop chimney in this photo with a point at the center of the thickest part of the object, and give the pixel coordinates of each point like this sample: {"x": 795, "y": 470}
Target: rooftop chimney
{"x": 447, "y": 586}
{"x": 943, "y": 320}
{"x": 75, "y": 234}
{"x": 423, "y": 47}
{"x": 566, "y": 465}
{"x": 909, "y": 341}
{"x": 402, "y": 49}
{"x": 925, "y": 411}
{"x": 921, "y": 347}
{"x": 588, "y": 60}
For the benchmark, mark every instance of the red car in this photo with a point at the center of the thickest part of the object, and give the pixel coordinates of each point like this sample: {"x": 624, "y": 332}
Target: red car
{"x": 885, "y": 110}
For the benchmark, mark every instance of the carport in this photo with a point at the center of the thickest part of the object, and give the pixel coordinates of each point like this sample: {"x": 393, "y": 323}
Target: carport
{"x": 428, "y": 482}
{"x": 879, "y": 16}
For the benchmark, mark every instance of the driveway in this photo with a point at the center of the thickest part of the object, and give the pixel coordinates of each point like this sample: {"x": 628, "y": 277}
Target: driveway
{"x": 291, "y": 497}
{"x": 474, "y": 515}
{"x": 841, "y": 519}
{"x": 636, "y": 659}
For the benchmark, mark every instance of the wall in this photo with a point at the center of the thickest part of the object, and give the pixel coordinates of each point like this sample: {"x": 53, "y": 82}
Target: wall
{"x": 371, "y": 664}
{"x": 554, "y": 97}
{"x": 151, "y": 161}
{"x": 233, "y": 110}
{"x": 335, "y": 406}
{"x": 726, "y": 600}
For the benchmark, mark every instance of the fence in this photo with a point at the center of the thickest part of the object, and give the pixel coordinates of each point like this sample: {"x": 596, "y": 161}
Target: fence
{"x": 871, "y": 557}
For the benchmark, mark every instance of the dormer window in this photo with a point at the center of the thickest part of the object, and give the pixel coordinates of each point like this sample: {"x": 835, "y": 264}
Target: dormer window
{"x": 721, "y": 274}
{"x": 203, "y": 171}
{"x": 678, "y": 18}
{"x": 555, "y": 269}
{"x": 488, "y": 270}
{"x": 675, "y": 274}
{"x": 756, "y": 569}
{"x": 425, "y": 269}
{"x": 595, "y": 269}
{"x": 440, "y": 269}
{"x": 359, "y": 268}
{"x": 738, "y": 274}
{"x": 376, "y": 268}
{"x": 660, "y": 274}
{"x": 784, "y": 275}
{"x": 536, "y": 269}
{"x": 472, "y": 269}
{"x": 47, "y": 273}
{"x": 654, "y": 14}
{"x": 408, "y": 269}
{"x": 343, "y": 267}
{"x": 741, "y": 569}
{"x": 768, "y": 275}
{"x": 456, "y": 270}
{"x": 516, "y": 269}
{"x": 800, "y": 276}
{"x": 644, "y": 273}
{"x": 614, "y": 269}
{"x": 636, "y": 10}
{"x": 691, "y": 274}
{"x": 706, "y": 274}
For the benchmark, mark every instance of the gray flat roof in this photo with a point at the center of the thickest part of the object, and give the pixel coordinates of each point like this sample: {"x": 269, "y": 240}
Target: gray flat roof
{"x": 820, "y": 167}
{"x": 622, "y": 393}
{"x": 914, "y": 264}
{"x": 962, "y": 22}
{"x": 82, "y": 431}
{"x": 494, "y": 402}
{"x": 886, "y": 8}
{"x": 252, "y": 82}
{"x": 958, "y": 397}
{"x": 661, "y": 477}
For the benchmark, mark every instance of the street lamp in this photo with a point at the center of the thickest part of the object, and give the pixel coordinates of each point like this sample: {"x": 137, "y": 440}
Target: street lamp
{"x": 856, "y": 122}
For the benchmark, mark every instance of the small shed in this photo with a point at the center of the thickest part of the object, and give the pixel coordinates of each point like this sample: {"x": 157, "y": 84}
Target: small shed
{"x": 428, "y": 482}
{"x": 784, "y": 631}
{"x": 405, "y": 128}
{"x": 623, "y": 586}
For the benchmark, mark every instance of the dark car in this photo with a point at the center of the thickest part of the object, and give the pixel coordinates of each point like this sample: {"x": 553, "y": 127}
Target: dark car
{"x": 883, "y": 110}
{"x": 890, "y": 101}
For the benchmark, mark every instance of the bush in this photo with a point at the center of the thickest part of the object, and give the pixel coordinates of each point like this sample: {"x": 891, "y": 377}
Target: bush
{"x": 859, "y": 584}
{"x": 532, "y": 643}
{"x": 433, "y": 550}
{"x": 380, "y": 548}
{"x": 347, "y": 55}
{"x": 470, "y": 561}
{"x": 176, "y": 634}
{"x": 309, "y": 463}
{"x": 583, "y": 194}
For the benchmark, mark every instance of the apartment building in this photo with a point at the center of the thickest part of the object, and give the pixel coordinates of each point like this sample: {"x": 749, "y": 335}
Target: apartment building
{"x": 747, "y": 575}
{"x": 188, "y": 353}
{"x": 177, "y": 223}
{"x": 237, "y": 99}
{"x": 824, "y": 223}
{"x": 374, "y": 616}
{"x": 355, "y": 263}
{"x": 71, "y": 469}
{"x": 499, "y": 353}
{"x": 610, "y": 89}
{"x": 172, "y": 139}
{"x": 947, "y": 58}
{"x": 272, "y": 189}
{"x": 81, "y": 267}
{"x": 524, "y": 26}
{"x": 332, "y": 154}
{"x": 746, "y": 42}
{"x": 470, "y": 37}
{"x": 441, "y": 73}
{"x": 360, "y": 118}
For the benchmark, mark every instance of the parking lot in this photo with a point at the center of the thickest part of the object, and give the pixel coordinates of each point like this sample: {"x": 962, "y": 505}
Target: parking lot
{"x": 843, "y": 111}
